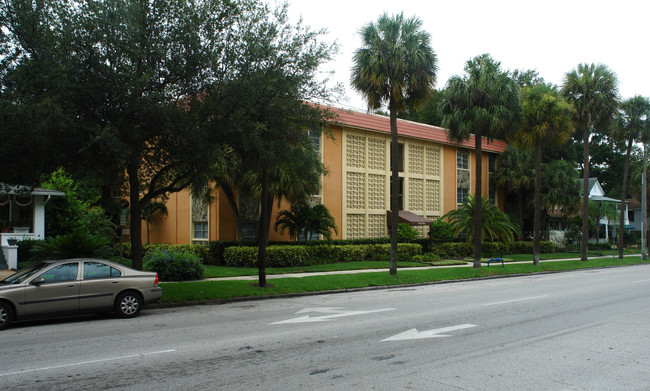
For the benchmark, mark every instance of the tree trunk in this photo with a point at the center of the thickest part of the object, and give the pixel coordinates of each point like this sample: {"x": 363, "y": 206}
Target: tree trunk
{"x": 394, "y": 180}
{"x": 520, "y": 212}
{"x": 478, "y": 199}
{"x": 136, "y": 215}
{"x": 537, "y": 229}
{"x": 621, "y": 224}
{"x": 585, "y": 193}
{"x": 263, "y": 230}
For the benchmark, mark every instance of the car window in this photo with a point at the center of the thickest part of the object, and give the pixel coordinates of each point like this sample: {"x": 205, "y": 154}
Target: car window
{"x": 24, "y": 274}
{"x": 99, "y": 270}
{"x": 64, "y": 272}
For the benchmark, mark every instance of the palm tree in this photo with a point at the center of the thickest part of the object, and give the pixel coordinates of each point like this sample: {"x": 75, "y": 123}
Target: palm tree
{"x": 546, "y": 120}
{"x": 487, "y": 102}
{"x": 396, "y": 66}
{"x": 630, "y": 124}
{"x": 496, "y": 225}
{"x": 151, "y": 208}
{"x": 516, "y": 172}
{"x": 306, "y": 219}
{"x": 593, "y": 92}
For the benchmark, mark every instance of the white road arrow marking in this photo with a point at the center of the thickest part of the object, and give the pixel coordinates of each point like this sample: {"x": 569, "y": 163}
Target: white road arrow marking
{"x": 435, "y": 333}
{"x": 332, "y": 313}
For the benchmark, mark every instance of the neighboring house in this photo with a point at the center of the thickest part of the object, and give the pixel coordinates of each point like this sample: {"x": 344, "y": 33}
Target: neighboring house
{"x": 22, "y": 216}
{"x": 435, "y": 176}
{"x": 558, "y": 225}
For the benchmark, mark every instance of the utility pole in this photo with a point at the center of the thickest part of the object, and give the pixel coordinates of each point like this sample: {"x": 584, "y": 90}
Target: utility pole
{"x": 644, "y": 204}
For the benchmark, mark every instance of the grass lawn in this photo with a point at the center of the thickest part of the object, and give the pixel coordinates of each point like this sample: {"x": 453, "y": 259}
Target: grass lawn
{"x": 211, "y": 291}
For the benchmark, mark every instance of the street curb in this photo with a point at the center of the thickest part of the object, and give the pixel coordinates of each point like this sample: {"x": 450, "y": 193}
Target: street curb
{"x": 364, "y": 289}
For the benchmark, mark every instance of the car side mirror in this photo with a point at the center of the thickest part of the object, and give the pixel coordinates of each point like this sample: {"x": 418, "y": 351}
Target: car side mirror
{"x": 38, "y": 281}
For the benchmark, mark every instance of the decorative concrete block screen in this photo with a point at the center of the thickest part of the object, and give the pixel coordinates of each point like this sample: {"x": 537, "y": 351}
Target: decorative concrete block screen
{"x": 366, "y": 180}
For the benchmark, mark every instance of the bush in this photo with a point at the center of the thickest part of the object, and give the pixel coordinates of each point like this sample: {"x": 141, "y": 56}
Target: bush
{"x": 78, "y": 244}
{"x": 174, "y": 265}
{"x": 440, "y": 232}
{"x": 406, "y": 233}
{"x": 202, "y": 251}
{"x": 452, "y": 250}
{"x": 25, "y": 247}
{"x": 600, "y": 246}
{"x": 276, "y": 256}
{"x": 216, "y": 250}
{"x": 426, "y": 258}
{"x": 493, "y": 249}
{"x": 522, "y": 247}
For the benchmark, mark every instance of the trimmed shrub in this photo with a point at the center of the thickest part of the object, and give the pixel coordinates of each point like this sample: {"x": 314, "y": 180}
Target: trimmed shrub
{"x": 426, "y": 258}
{"x": 600, "y": 246}
{"x": 522, "y": 247}
{"x": 452, "y": 250}
{"x": 440, "y": 232}
{"x": 215, "y": 251}
{"x": 276, "y": 256}
{"x": 493, "y": 249}
{"x": 174, "y": 265}
{"x": 200, "y": 250}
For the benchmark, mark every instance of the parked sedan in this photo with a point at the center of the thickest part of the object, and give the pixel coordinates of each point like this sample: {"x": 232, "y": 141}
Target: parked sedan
{"x": 54, "y": 288}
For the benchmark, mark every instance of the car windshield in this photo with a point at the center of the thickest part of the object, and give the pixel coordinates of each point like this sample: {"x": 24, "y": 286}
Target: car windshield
{"x": 24, "y": 274}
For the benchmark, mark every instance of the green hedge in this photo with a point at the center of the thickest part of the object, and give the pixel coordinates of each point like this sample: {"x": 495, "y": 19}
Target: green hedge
{"x": 276, "y": 256}
{"x": 200, "y": 250}
{"x": 286, "y": 256}
{"x": 489, "y": 249}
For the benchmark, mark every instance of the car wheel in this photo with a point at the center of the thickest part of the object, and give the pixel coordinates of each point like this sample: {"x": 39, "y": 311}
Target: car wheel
{"x": 6, "y": 315}
{"x": 128, "y": 304}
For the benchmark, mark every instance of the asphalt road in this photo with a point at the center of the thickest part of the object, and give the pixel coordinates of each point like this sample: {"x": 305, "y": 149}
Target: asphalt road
{"x": 585, "y": 330}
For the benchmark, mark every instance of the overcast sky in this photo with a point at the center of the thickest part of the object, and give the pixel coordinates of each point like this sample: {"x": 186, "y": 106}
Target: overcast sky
{"x": 550, "y": 36}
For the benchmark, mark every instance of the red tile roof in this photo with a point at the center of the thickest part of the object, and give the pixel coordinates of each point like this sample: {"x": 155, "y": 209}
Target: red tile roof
{"x": 381, "y": 124}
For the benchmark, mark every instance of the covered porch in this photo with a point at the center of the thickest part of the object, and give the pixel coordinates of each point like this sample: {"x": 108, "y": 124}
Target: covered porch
{"x": 22, "y": 216}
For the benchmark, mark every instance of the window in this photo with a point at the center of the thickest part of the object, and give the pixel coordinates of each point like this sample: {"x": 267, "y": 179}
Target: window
{"x": 200, "y": 230}
{"x": 65, "y": 272}
{"x": 249, "y": 231}
{"x": 94, "y": 270}
{"x": 630, "y": 216}
{"x": 314, "y": 135}
{"x": 462, "y": 159}
{"x": 492, "y": 163}
{"x": 461, "y": 195}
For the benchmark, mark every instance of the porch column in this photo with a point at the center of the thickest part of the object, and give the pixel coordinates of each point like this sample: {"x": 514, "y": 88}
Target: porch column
{"x": 39, "y": 218}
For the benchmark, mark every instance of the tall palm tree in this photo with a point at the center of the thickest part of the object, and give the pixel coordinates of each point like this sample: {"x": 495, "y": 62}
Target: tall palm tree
{"x": 593, "y": 92}
{"x": 546, "y": 120}
{"x": 395, "y": 66}
{"x": 630, "y": 124}
{"x": 486, "y": 102}
{"x": 516, "y": 171}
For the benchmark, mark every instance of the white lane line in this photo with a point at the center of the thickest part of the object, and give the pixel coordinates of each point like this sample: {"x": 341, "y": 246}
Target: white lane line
{"x": 85, "y": 363}
{"x": 640, "y": 281}
{"x": 516, "y": 300}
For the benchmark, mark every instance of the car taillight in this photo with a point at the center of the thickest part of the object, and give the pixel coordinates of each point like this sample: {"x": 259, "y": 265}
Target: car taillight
{"x": 156, "y": 282}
